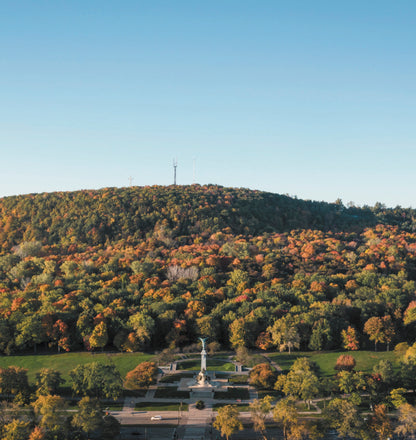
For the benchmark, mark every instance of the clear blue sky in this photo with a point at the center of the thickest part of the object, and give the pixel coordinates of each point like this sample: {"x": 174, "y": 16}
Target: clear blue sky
{"x": 310, "y": 98}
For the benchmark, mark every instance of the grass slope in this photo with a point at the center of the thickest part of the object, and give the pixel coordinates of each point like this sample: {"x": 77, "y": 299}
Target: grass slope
{"x": 65, "y": 362}
{"x": 326, "y": 360}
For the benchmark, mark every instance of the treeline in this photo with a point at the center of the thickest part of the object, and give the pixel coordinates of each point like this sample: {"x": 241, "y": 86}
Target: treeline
{"x": 165, "y": 270}
{"x": 41, "y": 412}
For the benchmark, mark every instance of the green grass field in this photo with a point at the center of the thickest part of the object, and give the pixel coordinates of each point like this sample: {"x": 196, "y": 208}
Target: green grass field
{"x": 326, "y": 360}
{"x": 240, "y": 406}
{"x": 212, "y": 365}
{"x": 65, "y": 362}
{"x": 171, "y": 393}
{"x": 160, "y": 406}
{"x": 238, "y": 379}
{"x": 232, "y": 393}
{"x": 172, "y": 378}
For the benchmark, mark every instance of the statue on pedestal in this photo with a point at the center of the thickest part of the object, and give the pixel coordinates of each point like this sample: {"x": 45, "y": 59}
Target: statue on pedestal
{"x": 202, "y": 377}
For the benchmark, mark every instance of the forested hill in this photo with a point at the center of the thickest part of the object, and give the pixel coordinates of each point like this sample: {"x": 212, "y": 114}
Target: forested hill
{"x": 112, "y": 214}
{"x": 155, "y": 267}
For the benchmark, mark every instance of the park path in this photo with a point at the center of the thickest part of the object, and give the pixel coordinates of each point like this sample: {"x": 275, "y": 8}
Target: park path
{"x": 272, "y": 363}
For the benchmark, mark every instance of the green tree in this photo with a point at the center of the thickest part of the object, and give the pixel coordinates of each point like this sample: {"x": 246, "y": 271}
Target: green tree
{"x": 351, "y": 381}
{"x": 144, "y": 328}
{"x": 396, "y": 397}
{"x": 51, "y": 412}
{"x": 16, "y": 430}
{"x": 29, "y": 332}
{"x": 13, "y": 380}
{"x": 300, "y": 382}
{"x": 238, "y": 333}
{"x": 228, "y": 420}
{"x": 406, "y": 426}
{"x": 285, "y": 334}
{"x": 408, "y": 374}
{"x": 286, "y": 415}
{"x": 89, "y": 416}
{"x": 47, "y": 381}
{"x": 384, "y": 369}
{"x": 380, "y": 330}
{"x": 344, "y": 416}
{"x": 208, "y": 327}
{"x": 96, "y": 380}
{"x": 99, "y": 336}
{"x": 259, "y": 409}
{"x": 321, "y": 338}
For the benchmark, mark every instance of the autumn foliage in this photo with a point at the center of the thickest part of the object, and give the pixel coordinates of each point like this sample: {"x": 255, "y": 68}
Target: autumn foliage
{"x": 345, "y": 362}
{"x": 138, "y": 269}
{"x": 141, "y": 377}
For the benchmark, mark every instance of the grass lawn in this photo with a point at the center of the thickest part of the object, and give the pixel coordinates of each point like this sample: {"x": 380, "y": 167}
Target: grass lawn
{"x": 238, "y": 379}
{"x": 64, "y": 362}
{"x": 273, "y": 393}
{"x": 232, "y": 393}
{"x": 240, "y": 406}
{"x": 303, "y": 407}
{"x": 212, "y": 365}
{"x": 326, "y": 360}
{"x": 141, "y": 392}
{"x": 171, "y": 393}
{"x": 160, "y": 406}
{"x": 171, "y": 378}
{"x": 116, "y": 406}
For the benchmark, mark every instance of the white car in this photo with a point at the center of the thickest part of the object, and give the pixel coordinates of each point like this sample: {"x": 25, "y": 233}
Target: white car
{"x": 156, "y": 418}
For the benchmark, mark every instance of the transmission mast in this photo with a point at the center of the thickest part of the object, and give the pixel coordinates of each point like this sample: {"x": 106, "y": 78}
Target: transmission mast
{"x": 194, "y": 172}
{"x": 175, "y": 165}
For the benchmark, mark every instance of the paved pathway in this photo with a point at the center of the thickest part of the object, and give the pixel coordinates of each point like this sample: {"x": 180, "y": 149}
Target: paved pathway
{"x": 272, "y": 363}
{"x": 198, "y": 422}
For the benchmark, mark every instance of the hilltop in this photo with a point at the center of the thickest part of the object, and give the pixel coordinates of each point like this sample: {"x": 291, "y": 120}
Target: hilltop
{"x": 109, "y": 215}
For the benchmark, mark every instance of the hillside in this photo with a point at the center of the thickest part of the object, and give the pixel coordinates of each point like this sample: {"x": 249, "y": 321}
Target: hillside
{"x": 146, "y": 268}
{"x": 113, "y": 214}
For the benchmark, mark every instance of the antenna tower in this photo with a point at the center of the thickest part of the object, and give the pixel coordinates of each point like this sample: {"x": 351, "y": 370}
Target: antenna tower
{"x": 194, "y": 172}
{"x": 175, "y": 165}
{"x": 131, "y": 181}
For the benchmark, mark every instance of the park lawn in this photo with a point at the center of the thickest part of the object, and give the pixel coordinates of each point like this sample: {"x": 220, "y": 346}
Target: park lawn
{"x": 160, "y": 406}
{"x": 326, "y": 360}
{"x": 232, "y": 393}
{"x": 171, "y": 393}
{"x": 212, "y": 365}
{"x": 272, "y": 393}
{"x": 242, "y": 407}
{"x": 238, "y": 379}
{"x": 116, "y": 406}
{"x": 175, "y": 377}
{"x": 65, "y": 362}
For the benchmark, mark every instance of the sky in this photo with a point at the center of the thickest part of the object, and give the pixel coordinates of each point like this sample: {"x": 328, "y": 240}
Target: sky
{"x": 314, "y": 99}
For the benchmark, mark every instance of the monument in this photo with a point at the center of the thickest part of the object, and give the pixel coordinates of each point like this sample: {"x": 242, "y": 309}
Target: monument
{"x": 202, "y": 381}
{"x": 203, "y": 377}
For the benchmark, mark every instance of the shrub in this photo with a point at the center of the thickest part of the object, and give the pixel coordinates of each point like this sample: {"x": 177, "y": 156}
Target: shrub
{"x": 345, "y": 363}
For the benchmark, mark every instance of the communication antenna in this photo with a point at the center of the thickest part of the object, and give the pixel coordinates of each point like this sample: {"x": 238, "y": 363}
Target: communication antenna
{"x": 131, "y": 181}
{"x": 194, "y": 172}
{"x": 175, "y": 165}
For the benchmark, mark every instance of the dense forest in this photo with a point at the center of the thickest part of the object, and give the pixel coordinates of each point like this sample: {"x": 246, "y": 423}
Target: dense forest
{"x": 138, "y": 269}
